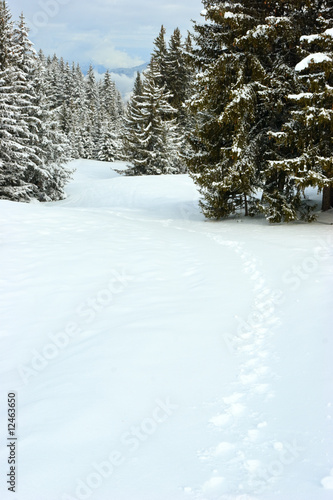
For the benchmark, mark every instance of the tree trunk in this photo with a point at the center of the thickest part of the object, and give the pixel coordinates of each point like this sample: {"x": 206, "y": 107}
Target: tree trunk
{"x": 246, "y": 206}
{"x": 327, "y": 202}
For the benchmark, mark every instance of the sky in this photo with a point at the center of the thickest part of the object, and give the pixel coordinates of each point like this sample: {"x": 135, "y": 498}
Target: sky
{"x": 111, "y": 33}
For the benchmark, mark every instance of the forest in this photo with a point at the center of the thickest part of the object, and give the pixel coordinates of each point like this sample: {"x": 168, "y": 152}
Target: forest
{"x": 243, "y": 104}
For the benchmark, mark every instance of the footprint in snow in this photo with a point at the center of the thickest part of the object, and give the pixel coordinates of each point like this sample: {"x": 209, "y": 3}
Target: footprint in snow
{"x": 327, "y": 482}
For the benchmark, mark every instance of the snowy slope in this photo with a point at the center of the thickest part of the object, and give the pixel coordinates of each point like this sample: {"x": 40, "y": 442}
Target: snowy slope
{"x": 159, "y": 356}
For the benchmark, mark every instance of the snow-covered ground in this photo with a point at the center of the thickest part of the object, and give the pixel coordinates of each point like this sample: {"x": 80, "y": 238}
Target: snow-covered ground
{"x": 159, "y": 356}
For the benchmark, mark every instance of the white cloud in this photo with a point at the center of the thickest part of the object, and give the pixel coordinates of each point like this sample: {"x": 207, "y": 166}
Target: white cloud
{"x": 102, "y": 51}
{"x": 107, "y": 32}
{"x": 87, "y": 47}
{"x": 124, "y": 84}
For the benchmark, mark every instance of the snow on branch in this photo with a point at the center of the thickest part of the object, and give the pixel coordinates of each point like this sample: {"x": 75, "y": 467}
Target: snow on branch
{"x": 316, "y": 58}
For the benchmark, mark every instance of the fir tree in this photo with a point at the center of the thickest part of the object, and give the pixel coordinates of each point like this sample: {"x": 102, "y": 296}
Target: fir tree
{"x": 246, "y": 56}
{"x": 284, "y": 173}
{"x": 30, "y": 157}
{"x": 50, "y": 149}
{"x": 226, "y": 143}
{"x": 111, "y": 114}
{"x": 179, "y": 76}
{"x": 150, "y": 139}
{"x": 132, "y": 120}
{"x": 159, "y": 55}
{"x": 176, "y": 71}
{"x": 78, "y": 105}
{"x": 306, "y": 136}
{"x": 109, "y": 144}
{"x": 92, "y": 118}
{"x": 15, "y": 153}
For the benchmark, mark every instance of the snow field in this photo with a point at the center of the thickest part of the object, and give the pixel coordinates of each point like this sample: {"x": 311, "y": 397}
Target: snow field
{"x": 160, "y": 356}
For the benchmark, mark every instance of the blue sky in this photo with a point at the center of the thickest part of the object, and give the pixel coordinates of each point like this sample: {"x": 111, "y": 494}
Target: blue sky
{"x": 112, "y": 33}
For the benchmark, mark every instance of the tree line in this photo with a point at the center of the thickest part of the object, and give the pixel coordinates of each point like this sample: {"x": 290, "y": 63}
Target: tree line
{"x": 263, "y": 102}
{"x": 50, "y": 113}
{"x": 243, "y": 104}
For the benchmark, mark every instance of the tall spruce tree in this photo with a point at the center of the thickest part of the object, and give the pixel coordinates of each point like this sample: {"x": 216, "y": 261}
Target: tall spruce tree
{"x": 111, "y": 114}
{"x": 306, "y": 136}
{"x": 246, "y": 55}
{"x": 31, "y": 153}
{"x": 133, "y": 121}
{"x": 151, "y": 138}
{"x": 78, "y": 110}
{"x": 49, "y": 149}
{"x": 289, "y": 169}
{"x": 176, "y": 72}
{"x": 54, "y": 149}
{"x": 178, "y": 78}
{"x": 227, "y": 140}
{"x": 15, "y": 136}
{"x": 159, "y": 55}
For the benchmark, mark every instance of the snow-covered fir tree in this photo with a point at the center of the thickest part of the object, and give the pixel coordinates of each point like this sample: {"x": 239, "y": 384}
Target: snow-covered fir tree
{"x": 111, "y": 118}
{"x": 132, "y": 120}
{"x": 54, "y": 146}
{"x": 286, "y": 174}
{"x": 29, "y": 169}
{"x": 50, "y": 149}
{"x": 173, "y": 74}
{"x": 226, "y": 142}
{"x": 90, "y": 113}
{"x": 305, "y": 138}
{"x": 176, "y": 74}
{"x": 179, "y": 75}
{"x": 246, "y": 54}
{"x": 78, "y": 109}
{"x": 150, "y": 136}
{"x": 14, "y": 130}
{"x": 159, "y": 54}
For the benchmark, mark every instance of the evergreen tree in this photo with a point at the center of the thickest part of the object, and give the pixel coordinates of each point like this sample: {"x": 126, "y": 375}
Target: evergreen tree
{"x": 55, "y": 145}
{"x": 286, "y": 172}
{"x": 179, "y": 75}
{"x": 132, "y": 120}
{"x": 111, "y": 113}
{"x": 50, "y": 149}
{"x": 109, "y": 143}
{"x": 159, "y": 55}
{"x": 92, "y": 118}
{"x": 31, "y": 158}
{"x": 226, "y": 143}
{"x": 78, "y": 104}
{"x": 246, "y": 56}
{"x": 15, "y": 153}
{"x": 150, "y": 139}
{"x": 176, "y": 73}
{"x": 306, "y": 136}
{"x": 171, "y": 77}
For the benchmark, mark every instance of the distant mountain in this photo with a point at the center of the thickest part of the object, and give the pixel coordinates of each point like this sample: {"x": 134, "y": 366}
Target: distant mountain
{"x": 130, "y": 72}
{"x": 123, "y": 77}
{"x": 100, "y": 69}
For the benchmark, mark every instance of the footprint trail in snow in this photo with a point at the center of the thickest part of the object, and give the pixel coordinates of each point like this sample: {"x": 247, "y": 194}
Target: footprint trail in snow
{"x": 239, "y": 430}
